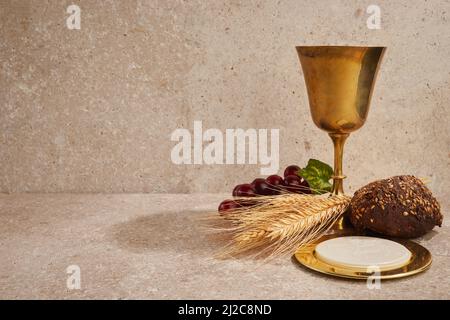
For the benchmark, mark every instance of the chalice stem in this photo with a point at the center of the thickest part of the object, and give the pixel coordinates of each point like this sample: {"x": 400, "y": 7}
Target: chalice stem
{"x": 338, "y": 176}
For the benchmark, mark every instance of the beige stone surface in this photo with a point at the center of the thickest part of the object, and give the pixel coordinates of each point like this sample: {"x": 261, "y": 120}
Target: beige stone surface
{"x": 156, "y": 247}
{"x": 92, "y": 110}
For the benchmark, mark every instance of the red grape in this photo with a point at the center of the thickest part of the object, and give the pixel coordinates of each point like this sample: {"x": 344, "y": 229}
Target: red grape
{"x": 296, "y": 184}
{"x": 261, "y": 187}
{"x": 291, "y": 170}
{"x": 234, "y": 193}
{"x": 244, "y": 190}
{"x": 228, "y": 205}
{"x": 275, "y": 182}
{"x": 306, "y": 189}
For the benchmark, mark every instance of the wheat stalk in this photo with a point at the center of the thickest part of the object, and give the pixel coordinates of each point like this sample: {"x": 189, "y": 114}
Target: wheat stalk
{"x": 281, "y": 224}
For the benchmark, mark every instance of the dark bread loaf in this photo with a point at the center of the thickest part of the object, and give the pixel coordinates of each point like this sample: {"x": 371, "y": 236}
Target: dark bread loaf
{"x": 401, "y": 206}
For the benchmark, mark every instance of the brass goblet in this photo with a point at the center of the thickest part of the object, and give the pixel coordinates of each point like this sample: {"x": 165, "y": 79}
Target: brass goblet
{"x": 339, "y": 81}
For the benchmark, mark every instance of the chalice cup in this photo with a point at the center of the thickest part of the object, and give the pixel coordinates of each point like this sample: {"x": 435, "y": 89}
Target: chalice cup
{"x": 339, "y": 81}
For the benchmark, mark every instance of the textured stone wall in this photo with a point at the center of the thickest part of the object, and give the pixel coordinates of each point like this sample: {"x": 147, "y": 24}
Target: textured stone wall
{"x": 92, "y": 110}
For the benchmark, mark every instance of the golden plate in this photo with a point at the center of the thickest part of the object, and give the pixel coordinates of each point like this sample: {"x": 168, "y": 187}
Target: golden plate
{"x": 420, "y": 261}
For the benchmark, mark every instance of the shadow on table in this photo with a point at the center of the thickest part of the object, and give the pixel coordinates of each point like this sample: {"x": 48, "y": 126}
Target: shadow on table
{"x": 183, "y": 232}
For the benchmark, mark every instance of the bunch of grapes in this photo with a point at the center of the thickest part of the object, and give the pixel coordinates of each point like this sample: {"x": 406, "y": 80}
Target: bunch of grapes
{"x": 272, "y": 185}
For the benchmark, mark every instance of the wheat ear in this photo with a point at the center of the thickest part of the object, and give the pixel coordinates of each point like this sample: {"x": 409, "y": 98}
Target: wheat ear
{"x": 278, "y": 225}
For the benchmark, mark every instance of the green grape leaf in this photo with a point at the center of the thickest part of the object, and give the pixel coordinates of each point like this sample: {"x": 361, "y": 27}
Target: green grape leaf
{"x": 318, "y": 175}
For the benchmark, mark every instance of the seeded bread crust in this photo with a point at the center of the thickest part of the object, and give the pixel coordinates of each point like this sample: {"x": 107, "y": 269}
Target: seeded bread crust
{"x": 401, "y": 206}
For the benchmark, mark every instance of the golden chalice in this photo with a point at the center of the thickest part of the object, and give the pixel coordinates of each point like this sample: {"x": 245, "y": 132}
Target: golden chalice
{"x": 339, "y": 80}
